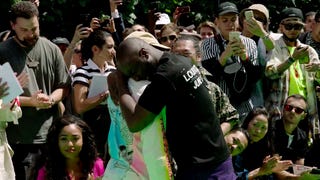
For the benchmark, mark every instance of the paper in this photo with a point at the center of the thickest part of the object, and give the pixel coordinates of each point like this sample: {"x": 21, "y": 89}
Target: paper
{"x": 299, "y": 169}
{"x": 7, "y": 75}
{"x": 98, "y": 85}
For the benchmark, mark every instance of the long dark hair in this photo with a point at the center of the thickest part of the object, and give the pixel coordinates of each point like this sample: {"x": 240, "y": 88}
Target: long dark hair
{"x": 254, "y": 112}
{"x": 56, "y": 162}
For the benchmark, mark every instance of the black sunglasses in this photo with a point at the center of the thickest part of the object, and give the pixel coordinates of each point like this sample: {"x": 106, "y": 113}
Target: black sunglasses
{"x": 166, "y": 38}
{"x": 297, "y": 110}
{"x": 262, "y": 20}
{"x": 290, "y": 26}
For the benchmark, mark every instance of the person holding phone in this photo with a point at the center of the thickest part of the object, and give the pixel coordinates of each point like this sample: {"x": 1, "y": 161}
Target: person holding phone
{"x": 233, "y": 62}
{"x": 293, "y": 69}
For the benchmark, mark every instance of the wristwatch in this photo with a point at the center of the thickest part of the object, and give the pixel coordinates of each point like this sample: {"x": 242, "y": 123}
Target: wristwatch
{"x": 290, "y": 60}
{"x": 265, "y": 37}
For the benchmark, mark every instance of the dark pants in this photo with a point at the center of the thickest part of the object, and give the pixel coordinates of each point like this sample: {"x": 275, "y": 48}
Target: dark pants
{"x": 27, "y": 160}
{"x": 99, "y": 121}
{"x": 224, "y": 171}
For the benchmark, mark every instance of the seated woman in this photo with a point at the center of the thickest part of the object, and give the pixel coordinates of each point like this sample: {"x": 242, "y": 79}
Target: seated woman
{"x": 72, "y": 152}
{"x": 257, "y": 159}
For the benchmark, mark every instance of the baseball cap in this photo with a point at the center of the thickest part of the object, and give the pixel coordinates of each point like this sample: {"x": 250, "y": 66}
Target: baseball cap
{"x": 261, "y": 8}
{"x": 61, "y": 40}
{"x": 163, "y": 19}
{"x": 292, "y": 14}
{"x": 148, "y": 38}
{"x": 227, "y": 7}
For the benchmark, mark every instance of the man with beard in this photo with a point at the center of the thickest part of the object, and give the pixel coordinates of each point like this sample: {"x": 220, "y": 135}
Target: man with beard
{"x": 48, "y": 82}
{"x": 293, "y": 68}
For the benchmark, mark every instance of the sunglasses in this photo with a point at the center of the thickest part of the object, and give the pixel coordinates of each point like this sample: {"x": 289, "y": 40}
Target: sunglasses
{"x": 166, "y": 38}
{"x": 290, "y": 26}
{"x": 262, "y": 20}
{"x": 297, "y": 110}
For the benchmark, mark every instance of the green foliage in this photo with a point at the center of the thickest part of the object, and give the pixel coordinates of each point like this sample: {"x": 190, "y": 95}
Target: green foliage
{"x": 60, "y": 17}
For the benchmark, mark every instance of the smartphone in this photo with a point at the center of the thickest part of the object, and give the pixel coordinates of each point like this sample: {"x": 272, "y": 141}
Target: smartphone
{"x": 303, "y": 60}
{"x": 85, "y": 19}
{"x": 248, "y": 15}
{"x": 234, "y": 35}
{"x": 184, "y": 9}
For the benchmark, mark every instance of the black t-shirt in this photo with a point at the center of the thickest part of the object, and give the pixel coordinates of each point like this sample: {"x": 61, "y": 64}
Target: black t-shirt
{"x": 298, "y": 147}
{"x": 193, "y": 131}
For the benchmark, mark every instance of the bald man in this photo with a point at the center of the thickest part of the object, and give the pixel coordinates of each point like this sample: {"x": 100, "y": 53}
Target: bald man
{"x": 193, "y": 130}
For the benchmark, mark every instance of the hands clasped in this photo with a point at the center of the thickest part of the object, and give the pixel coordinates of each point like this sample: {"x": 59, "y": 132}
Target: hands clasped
{"x": 41, "y": 100}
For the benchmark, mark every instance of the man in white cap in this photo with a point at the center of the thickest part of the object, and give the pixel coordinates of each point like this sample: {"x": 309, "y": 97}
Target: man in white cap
{"x": 256, "y": 27}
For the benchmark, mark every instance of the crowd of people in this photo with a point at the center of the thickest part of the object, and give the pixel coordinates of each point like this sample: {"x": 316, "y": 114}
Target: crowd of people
{"x": 228, "y": 99}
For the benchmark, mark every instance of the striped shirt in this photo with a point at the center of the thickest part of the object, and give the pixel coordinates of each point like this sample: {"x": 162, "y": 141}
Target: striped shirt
{"x": 211, "y": 52}
{"x": 84, "y": 74}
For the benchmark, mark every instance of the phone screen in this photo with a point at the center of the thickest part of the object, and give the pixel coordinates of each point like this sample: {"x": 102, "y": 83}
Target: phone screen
{"x": 85, "y": 19}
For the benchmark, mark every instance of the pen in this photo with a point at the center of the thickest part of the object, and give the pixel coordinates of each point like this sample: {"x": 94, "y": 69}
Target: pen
{"x": 16, "y": 100}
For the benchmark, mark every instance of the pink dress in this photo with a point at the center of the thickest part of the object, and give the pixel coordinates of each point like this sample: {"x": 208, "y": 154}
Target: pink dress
{"x": 98, "y": 170}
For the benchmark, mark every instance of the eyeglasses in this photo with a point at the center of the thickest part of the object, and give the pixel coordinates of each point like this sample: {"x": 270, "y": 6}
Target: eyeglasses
{"x": 297, "y": 110}
{"x": 166, "y": 38}
{"x": 290, "y": 26}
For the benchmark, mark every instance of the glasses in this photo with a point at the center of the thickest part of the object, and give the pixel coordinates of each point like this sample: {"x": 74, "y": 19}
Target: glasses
{"x": 290, "y": 26}
{"x": 166, "y": 38}
{"x": 297, "y": 110}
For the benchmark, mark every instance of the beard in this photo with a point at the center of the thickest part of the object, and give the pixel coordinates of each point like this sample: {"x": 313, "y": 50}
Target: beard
{"x": 285, "y": 37}
{"x": 29, "y": 42}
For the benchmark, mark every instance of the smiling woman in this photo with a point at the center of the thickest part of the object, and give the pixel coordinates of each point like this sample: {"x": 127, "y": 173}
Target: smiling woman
{"x": 72, "y": 152}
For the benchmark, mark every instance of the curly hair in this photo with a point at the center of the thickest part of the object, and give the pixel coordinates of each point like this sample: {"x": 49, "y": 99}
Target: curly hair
{"x": 24, "y": 9}
{"x": 56, "y": 162}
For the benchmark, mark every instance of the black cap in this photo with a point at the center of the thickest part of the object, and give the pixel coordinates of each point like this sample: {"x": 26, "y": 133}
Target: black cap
{"x": 292, "y": 12}
{"x": 227, "y": 7}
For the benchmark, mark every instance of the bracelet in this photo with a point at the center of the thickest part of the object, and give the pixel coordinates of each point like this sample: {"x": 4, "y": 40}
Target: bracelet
{"x": 266, "y": 37}
{"x": 290, "y": 60}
